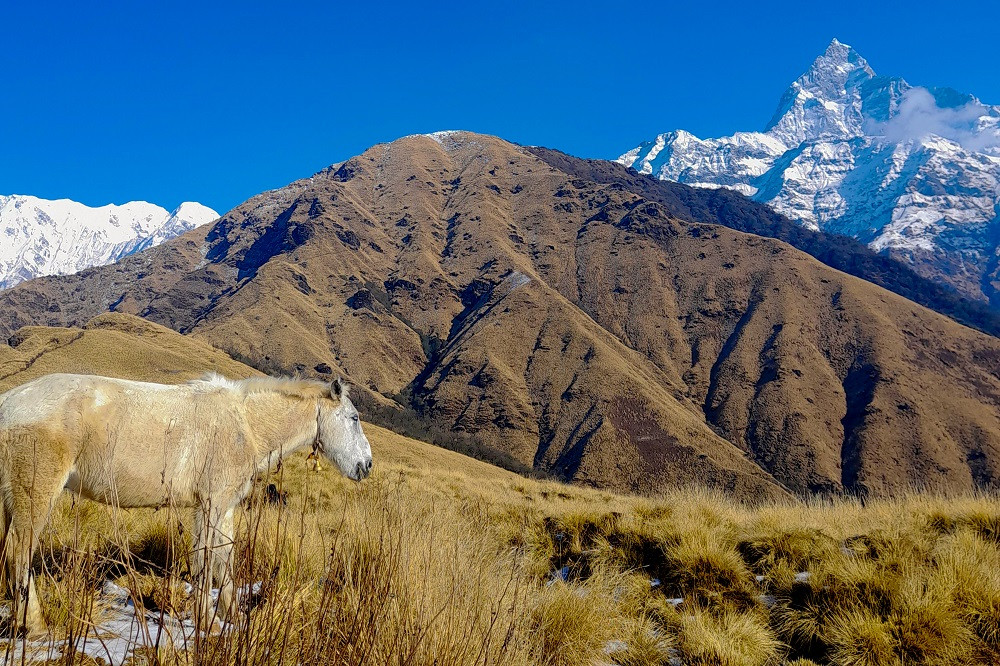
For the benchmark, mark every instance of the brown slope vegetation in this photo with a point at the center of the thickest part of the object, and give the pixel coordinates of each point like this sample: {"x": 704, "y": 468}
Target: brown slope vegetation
{"x": 576, "y": 325}
{"x": 115, "y": 345}
{"x": 736, "y": 211}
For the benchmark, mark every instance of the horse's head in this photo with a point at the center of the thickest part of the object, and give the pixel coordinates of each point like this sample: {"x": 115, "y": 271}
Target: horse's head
{"x": 339, "y": 436}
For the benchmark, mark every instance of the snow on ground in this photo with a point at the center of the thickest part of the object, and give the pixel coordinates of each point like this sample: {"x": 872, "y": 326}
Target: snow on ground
{"x": 441, "y": 135}
{"x": 123, "y": 630}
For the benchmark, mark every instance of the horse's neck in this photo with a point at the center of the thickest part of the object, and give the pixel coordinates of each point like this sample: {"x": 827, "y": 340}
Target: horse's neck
{"x": 280, "y": 424}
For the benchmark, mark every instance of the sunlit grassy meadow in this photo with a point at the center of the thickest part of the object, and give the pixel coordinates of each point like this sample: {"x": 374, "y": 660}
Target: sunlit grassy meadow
{"x": 440, "y": 559}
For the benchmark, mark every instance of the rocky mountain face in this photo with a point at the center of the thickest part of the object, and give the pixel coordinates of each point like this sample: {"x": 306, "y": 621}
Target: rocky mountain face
{"x": 911, "y": 171}
{"x": 570, "y": 321}
{"x": 732, "y": 209}
{"x": 43, "y": 237}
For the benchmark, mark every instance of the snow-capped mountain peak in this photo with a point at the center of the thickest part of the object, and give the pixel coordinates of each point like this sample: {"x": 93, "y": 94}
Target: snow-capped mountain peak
{"x": 49, "y": 237}
{"x": 194, "y": 211}
{"x": 839, "y": 68}
{"x": 910, "y": 170}
{"x": 826, "y": 100}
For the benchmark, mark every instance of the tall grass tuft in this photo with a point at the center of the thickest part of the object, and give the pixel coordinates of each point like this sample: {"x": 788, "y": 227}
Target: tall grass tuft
{"x": 729, "y": 638}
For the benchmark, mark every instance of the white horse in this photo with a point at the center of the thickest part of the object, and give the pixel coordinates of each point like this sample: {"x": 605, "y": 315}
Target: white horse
{"x": 137, "y": 444}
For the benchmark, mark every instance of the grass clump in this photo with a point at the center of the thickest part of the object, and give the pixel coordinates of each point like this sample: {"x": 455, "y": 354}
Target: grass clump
{"x": 705, "y": 570}
{"x": 729, "y": 638}
{"x": 644, "y": 644}
{"x": 574, "y": 623}
{"x": 859, "y": 637}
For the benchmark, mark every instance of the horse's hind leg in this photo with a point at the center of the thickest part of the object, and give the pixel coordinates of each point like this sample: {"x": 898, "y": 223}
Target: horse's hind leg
{"x": 19, "y": 547}
{"x": 25, "y": 610}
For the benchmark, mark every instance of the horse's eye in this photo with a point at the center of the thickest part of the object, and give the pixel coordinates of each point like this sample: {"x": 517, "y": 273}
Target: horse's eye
{"x": 355, "y": 418}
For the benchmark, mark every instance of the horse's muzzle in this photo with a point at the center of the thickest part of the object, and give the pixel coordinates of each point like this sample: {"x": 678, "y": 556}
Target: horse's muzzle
{"x": 363, "y": 470}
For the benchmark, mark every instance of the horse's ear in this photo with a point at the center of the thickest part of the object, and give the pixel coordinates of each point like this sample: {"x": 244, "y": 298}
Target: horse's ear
{"x": 339, "y": 388}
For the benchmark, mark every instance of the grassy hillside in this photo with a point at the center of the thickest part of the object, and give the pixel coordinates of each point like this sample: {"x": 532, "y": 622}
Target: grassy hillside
{"x": 112, "y": 344}
{"x": 736, "y": 211}
{"x": 442, "y": 559}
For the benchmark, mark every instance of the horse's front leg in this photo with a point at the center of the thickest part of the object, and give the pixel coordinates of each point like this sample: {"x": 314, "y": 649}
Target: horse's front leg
{"x": 222, "y": 567}
{"x": 201, "y": 574}
{"x": 26, "y": 508}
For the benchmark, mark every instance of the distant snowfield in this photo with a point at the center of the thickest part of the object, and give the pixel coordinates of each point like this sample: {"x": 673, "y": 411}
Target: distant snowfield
{"x": 57, "y": 237}
{"x": 847, "y": 151}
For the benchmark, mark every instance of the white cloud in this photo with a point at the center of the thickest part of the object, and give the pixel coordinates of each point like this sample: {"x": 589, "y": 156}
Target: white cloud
{"x": 919, "y": 116}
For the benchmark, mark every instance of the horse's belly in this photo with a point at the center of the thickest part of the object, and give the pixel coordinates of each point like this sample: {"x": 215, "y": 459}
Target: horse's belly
{"x": 74, "y": 483}
{"x": 129, "y": 490}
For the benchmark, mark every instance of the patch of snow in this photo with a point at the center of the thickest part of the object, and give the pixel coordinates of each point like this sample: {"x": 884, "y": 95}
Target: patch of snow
{"x": 517, "y": 279}
{"x": 615, "y": 645}
{"x": 439, "y": 136}
{"x": 125, "y": 629}
{"x": 203, "y": 251}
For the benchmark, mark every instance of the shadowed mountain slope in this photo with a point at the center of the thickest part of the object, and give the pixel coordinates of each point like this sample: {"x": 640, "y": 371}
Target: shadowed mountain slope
{"x": 736, "y": 211}
{"x": 577, "y": 325}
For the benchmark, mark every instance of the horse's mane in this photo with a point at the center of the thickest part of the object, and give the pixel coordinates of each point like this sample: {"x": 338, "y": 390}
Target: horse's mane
{"x": 288, "y": 386}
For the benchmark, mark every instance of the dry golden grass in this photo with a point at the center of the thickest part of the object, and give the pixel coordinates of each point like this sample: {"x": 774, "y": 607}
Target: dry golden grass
{"x": 115, "y": 344}
{"x": 727, "y": 638}
{"x": 442, "y": 559}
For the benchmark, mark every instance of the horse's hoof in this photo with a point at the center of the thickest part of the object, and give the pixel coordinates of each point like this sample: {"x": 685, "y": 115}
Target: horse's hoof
{"x": 215, "y": 628}
{"x": 30, "y": 633}
{"x": 36, "y": 633}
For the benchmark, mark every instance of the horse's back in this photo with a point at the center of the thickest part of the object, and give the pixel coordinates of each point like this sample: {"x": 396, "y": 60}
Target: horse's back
{"x": 74, "y": 403}
{"x": 37, "y": 401}
{"x": 123, "y": 438}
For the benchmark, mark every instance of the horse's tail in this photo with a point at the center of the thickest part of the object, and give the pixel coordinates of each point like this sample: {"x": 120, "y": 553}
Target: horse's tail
{"x": 6, "y": 510}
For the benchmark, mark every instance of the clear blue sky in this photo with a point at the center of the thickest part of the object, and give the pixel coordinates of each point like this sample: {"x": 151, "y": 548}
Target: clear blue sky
{"x": 107, "y": 102}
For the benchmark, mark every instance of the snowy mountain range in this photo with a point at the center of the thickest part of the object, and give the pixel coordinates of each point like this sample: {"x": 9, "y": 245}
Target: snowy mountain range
{"x": 44, "y": 237}
{"x": 911, "y": 171}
